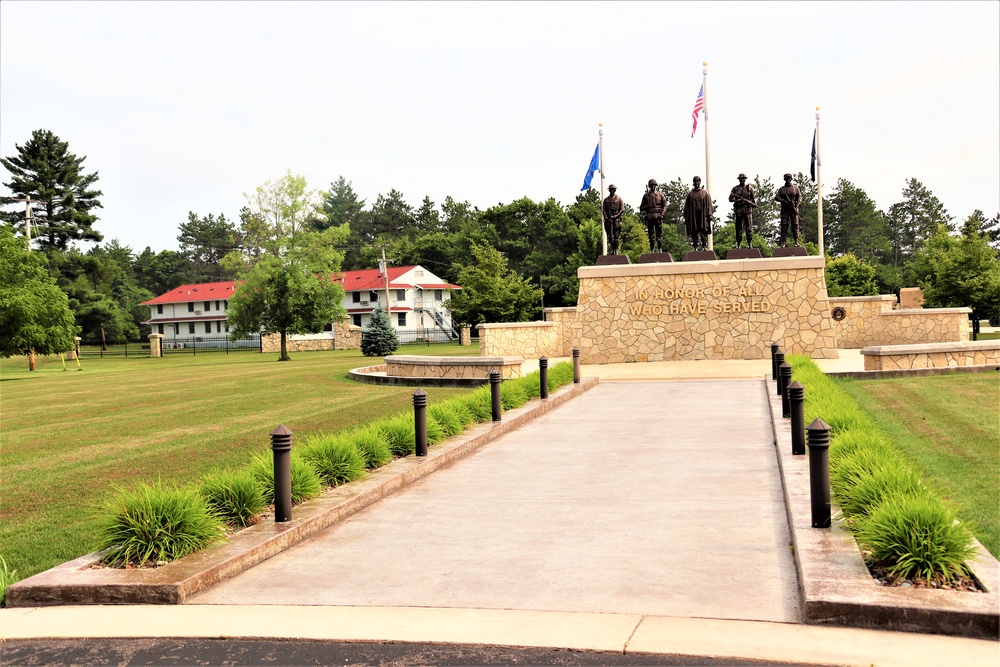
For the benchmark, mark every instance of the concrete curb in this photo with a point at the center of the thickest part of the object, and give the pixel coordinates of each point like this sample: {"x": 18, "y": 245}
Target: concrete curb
{"x": 76, "y": 582}
{"x": 836, "y": 586}
{"x": 376, "y": 375}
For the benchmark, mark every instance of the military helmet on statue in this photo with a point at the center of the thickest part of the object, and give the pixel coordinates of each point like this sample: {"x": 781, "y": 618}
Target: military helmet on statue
{"x": 612, "y": 187}
{"x": 652, "y": 183}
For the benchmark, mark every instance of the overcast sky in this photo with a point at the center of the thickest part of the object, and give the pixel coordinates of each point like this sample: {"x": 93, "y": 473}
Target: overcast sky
{"x": 186, "y": 106}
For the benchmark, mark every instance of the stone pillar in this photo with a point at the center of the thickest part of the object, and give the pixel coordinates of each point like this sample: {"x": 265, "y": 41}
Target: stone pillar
{"x": 155, "y": 345}
{"x": 465, "y": 336}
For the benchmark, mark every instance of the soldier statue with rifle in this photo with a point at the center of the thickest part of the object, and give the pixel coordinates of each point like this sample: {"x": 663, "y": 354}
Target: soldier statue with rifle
{"x": 744, "y": 202}
{"x": 613, "y": 207}
{"x": 790, "y": 198}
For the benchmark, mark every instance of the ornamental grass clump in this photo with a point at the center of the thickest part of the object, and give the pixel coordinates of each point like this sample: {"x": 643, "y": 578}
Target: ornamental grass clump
{"x": 335, "y": 459}
{"x": 531, "y": 384}
{"x": 560, "y": 374}
{"x": 462, "y": 411}
{"x": 234, "y": 496}
{"x": 306, "y": 483}
{"x": 154, "y": 522}
{"x": 399, "y": 434}
{"x": 480, "y": 404}
{"x": 512, "y": 395}
{"x": 7, "y": 577}
{"x": 445, "y": 416}
{"x": 824, "y": 399}
{"x": 371, "y": 443}
{"x": 916, "y": 536}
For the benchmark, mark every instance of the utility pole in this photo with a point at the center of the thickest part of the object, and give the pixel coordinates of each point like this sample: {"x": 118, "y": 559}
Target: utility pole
{"x": 384, "y": 268}
{"x": 27, "y": 217}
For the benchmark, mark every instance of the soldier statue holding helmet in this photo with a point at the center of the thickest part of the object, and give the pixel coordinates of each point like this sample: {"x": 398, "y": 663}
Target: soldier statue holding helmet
{"x": 653, "y": 208}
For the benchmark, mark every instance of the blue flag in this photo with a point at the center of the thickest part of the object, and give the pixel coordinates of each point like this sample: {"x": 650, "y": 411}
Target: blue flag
{"x": 595, "y": 165}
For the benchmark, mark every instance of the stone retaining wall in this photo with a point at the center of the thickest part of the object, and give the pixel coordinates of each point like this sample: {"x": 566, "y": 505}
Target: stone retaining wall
{"x": 343, "y": 337}
{"x": 924, "y": 325}
{"x": 531, "y": 340}
{"x": 566, "y": 333}
{"x": 932, "y": 355}
{"x": 461, "y": 368}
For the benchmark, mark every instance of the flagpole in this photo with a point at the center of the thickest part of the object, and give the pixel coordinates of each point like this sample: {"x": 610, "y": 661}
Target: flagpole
{"x": 819, "y": 191}
{"x": 708, "y": 169}
{"x": 600, "y": 153}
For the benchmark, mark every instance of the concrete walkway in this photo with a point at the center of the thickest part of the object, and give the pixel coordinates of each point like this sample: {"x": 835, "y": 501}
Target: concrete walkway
{"x": 653, "y": 498}
{"x": 643, "y": 517}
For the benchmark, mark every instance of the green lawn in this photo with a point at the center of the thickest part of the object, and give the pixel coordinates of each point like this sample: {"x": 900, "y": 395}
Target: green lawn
{"x": 949, "y": 427}
{"x": 70, "y": 436}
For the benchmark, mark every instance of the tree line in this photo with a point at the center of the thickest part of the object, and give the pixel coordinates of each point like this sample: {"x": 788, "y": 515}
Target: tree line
{"x": 512, "y": 259}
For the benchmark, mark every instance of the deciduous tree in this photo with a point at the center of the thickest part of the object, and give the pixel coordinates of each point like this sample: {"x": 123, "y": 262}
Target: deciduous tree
{"x": 34, "y": 312}
{"x": 958, "y": 270}
{"x": 491, "y": 292}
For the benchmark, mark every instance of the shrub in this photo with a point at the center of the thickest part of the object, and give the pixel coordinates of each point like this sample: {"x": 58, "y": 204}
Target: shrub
{"x": 379, "y": 339}
{"x": 7, "y": 577}
{"x": 371, "y": 443}
{"x": 531, "y": 384}
{"x": 445, "y": 416}
{"x": 334, "y": 459}
{"x": 234, "y": 496}
{"x": 864, "y": 482}
{"x": 156, "y": 522}
{"x": 305, "y": 482}
{"x": 916, "y": 536}
{"x": 399, "y": 434}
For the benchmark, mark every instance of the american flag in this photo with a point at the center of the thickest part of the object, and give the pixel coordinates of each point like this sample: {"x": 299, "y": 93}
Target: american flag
{"x": 699, "y": 106}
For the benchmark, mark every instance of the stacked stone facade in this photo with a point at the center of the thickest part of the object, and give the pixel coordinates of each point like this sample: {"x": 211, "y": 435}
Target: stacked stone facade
{"x": 924, "y": 325}
{"x": 704, "y": 310}
{"x": 861, "y": 323}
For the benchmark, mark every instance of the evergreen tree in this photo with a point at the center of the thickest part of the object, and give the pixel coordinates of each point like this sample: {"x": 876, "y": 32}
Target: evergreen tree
{"x": 913, "y": 220}
{"x": 45, "y": 170}
{"x": 341, "y": 207}
{"x": 854, "y": 225}
{"x": 379, "y": 338}
{"x": 205, "y": 241}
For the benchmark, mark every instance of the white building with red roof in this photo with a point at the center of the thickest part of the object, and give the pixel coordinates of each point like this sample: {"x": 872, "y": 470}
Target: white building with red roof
{"x": 417, "y": 306}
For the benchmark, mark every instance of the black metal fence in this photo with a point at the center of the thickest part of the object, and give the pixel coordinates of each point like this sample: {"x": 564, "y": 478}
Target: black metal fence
{"x": 426, "y": 336}
{"x": 113, "y": 348}
{"x": 210, "y": 344}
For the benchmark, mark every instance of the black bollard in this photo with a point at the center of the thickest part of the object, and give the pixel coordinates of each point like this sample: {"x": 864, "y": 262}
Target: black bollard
{"x": 576, "y": 365}
{"x": 543, "y": 377}
{"x": 796, "y": 400}
{"x": 281, "y": 445}
{"x": 775, "y": 348}
{"x": 785, "y": 379}
{"x": 818, "y": 433}
{"x": 495, "y": 394}
{"x": 420, "y": 421}
{"x": 779, "y": 359}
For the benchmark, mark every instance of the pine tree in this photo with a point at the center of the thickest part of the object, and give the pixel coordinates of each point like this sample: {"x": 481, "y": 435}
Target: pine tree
{"x": 379, "y": 339}
{"x": 45, "y": 170}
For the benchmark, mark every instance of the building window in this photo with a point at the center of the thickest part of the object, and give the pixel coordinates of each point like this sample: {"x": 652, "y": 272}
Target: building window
{"x": 373, "y": 297}
{"x": 190, "y": 306}
{"x": 401, "y": 319}
{"x": 225, "y": 304}
{"x": 437, "y": 295}
{"x": 356, "y": 319}
{"x": 401, "y": 295}
{"x": 208, "y": 327}
{"x": 208, "y": 306}
{"x": 159, "y": 328}
{"x": 418, "y": 273}
{"x": 218, "y": 327}
{"x": 328, "y": 326}
{"x": 191, "y": 328}
{"x": 217, "y": 305}
{"x": 159, "y": 310}
{"x": 356, "y": 297}
{"x": 227, "y": 327}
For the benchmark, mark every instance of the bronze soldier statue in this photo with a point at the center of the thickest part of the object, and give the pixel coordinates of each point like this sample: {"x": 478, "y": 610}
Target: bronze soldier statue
{"x": 790, "y": 198}
{"x": 744, "y": 202}
{"x": 613, "y": 208}
{"x": 698, "y": 215}
{"x": 653, "y": 208}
